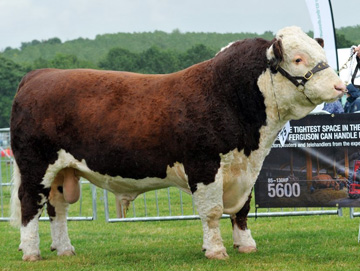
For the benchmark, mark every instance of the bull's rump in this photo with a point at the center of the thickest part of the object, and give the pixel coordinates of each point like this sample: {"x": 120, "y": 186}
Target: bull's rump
{"x": 121, "y": 124}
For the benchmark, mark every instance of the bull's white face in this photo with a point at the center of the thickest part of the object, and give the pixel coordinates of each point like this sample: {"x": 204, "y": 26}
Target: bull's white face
{"x": 300, "y": 54}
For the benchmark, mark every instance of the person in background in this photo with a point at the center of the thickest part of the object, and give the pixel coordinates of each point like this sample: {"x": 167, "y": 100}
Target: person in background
{"x": 353, "y": 95}
{"x": 353, "y": 99}
{"x": 320, "y": 41}
{"x": 334, "y": 107}
{"x": 353, "y": 75}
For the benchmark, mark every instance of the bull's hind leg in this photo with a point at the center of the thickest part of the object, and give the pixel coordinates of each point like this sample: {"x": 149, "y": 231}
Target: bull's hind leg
{"x": 208, "y": 199}
{"x": 243, "y": 240}
{"x": 30, "y": 240}
{"x": 57, "y": 207}
{"x": 32, "y": 201}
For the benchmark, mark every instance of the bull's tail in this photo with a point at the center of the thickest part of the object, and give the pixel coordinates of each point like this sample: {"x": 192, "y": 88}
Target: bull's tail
{"x": 15, "y": 217}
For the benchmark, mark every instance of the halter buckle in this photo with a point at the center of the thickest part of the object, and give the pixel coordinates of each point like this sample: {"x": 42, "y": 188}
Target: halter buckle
{"x": 308, "y": 75}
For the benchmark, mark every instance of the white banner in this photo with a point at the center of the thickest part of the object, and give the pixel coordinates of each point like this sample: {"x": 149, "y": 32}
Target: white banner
{"x": 322, "y": 20}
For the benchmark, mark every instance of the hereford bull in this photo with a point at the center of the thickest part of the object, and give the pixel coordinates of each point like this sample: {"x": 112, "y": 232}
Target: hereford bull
{"x": 205, "y": 129}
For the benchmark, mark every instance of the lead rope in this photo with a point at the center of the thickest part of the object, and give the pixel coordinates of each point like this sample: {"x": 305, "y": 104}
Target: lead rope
{"x": 345, "y": 66}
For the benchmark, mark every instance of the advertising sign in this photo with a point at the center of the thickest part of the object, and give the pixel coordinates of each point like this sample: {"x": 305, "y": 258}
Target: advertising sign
{"x": 317, "y": 166}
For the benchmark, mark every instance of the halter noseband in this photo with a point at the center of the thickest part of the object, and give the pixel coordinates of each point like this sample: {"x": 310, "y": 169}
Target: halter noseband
{"x": 303, "y": 79}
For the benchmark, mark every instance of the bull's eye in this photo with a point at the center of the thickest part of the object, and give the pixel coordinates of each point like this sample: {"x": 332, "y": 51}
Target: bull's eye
{"x": 298, "y": 60}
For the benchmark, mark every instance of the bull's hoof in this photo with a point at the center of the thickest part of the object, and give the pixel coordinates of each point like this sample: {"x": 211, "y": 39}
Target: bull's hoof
{"x": 247, "y": 249}
{"x": 70, "y": 251}
{"x": 67, "y": 253}
{"x": 31, "y": 258}
{"x": 218, "y": 255}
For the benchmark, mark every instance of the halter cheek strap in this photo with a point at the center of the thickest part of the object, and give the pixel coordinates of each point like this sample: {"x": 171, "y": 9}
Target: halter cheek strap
{"x": 299, "y": 81}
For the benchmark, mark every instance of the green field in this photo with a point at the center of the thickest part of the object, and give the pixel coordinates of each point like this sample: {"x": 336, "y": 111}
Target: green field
{"x": 284, "y": 243}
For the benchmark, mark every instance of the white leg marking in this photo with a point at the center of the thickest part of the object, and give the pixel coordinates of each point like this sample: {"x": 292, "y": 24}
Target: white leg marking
{"x": 243, "y": 240}
{"x": 60, "y": 238}
{"x": 30, "y": 240}
{"x": 15, "y": 218}
{"x": 208, "y": 199}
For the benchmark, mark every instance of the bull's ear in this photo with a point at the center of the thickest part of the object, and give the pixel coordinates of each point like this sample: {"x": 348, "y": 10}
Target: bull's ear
{"x": 275, "y": 53}
{"x": 278, "y": 50}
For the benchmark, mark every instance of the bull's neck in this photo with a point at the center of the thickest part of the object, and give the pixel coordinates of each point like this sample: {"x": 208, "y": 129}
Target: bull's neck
{"x": 282, "y": 106}
{"x": 277, "y": 113}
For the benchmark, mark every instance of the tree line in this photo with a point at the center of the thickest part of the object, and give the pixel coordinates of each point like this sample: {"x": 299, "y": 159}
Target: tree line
{"x": 153, "y": 60}
{"x": 96, "y": 49}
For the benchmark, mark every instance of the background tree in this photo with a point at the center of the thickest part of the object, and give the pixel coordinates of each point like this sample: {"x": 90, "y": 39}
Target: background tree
{"x": 342, "y": 42}
{"x": 154, "y": 60}
{"x": 196, "y": 54}
{"x": 119, "y": 59}
{"x": 10, "y": 76}
{"x": 62, "y": 61}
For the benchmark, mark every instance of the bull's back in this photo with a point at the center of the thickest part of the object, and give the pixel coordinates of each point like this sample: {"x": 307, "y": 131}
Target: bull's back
{"x": 90, "y": 98}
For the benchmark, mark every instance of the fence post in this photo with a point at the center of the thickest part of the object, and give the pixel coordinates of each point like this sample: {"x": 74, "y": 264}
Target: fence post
{"x": 106, "y": 205}
{"x": 93, "y": 196}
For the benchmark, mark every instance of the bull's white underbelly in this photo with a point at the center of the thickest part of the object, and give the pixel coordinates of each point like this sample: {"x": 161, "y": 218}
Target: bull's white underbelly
{"x": 238, "y": 174}
{"x": 124, "y": 188}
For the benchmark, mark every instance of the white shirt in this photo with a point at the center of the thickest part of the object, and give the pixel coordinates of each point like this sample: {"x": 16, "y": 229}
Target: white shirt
{"x": 351, "y": 70}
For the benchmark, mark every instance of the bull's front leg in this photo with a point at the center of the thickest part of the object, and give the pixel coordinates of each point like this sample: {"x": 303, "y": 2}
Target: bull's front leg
{"x": 243, "y": 240}
{"x": 209, "y": 202}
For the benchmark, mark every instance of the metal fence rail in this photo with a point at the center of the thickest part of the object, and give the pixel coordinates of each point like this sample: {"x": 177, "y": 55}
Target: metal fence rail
{"x": 178, "y": 211}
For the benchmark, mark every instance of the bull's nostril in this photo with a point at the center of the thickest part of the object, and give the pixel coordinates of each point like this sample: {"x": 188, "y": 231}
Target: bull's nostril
{"x": 340, "y": 87}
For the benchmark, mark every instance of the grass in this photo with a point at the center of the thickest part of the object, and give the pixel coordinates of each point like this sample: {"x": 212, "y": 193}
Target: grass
{"x": 284, "y": 243}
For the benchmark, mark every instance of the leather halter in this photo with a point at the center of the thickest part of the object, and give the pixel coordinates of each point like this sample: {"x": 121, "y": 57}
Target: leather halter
{"x": 299, "y": 81}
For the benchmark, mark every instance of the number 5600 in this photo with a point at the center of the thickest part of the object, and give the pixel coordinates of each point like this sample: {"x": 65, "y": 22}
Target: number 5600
{"x": 283, "y": 190}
